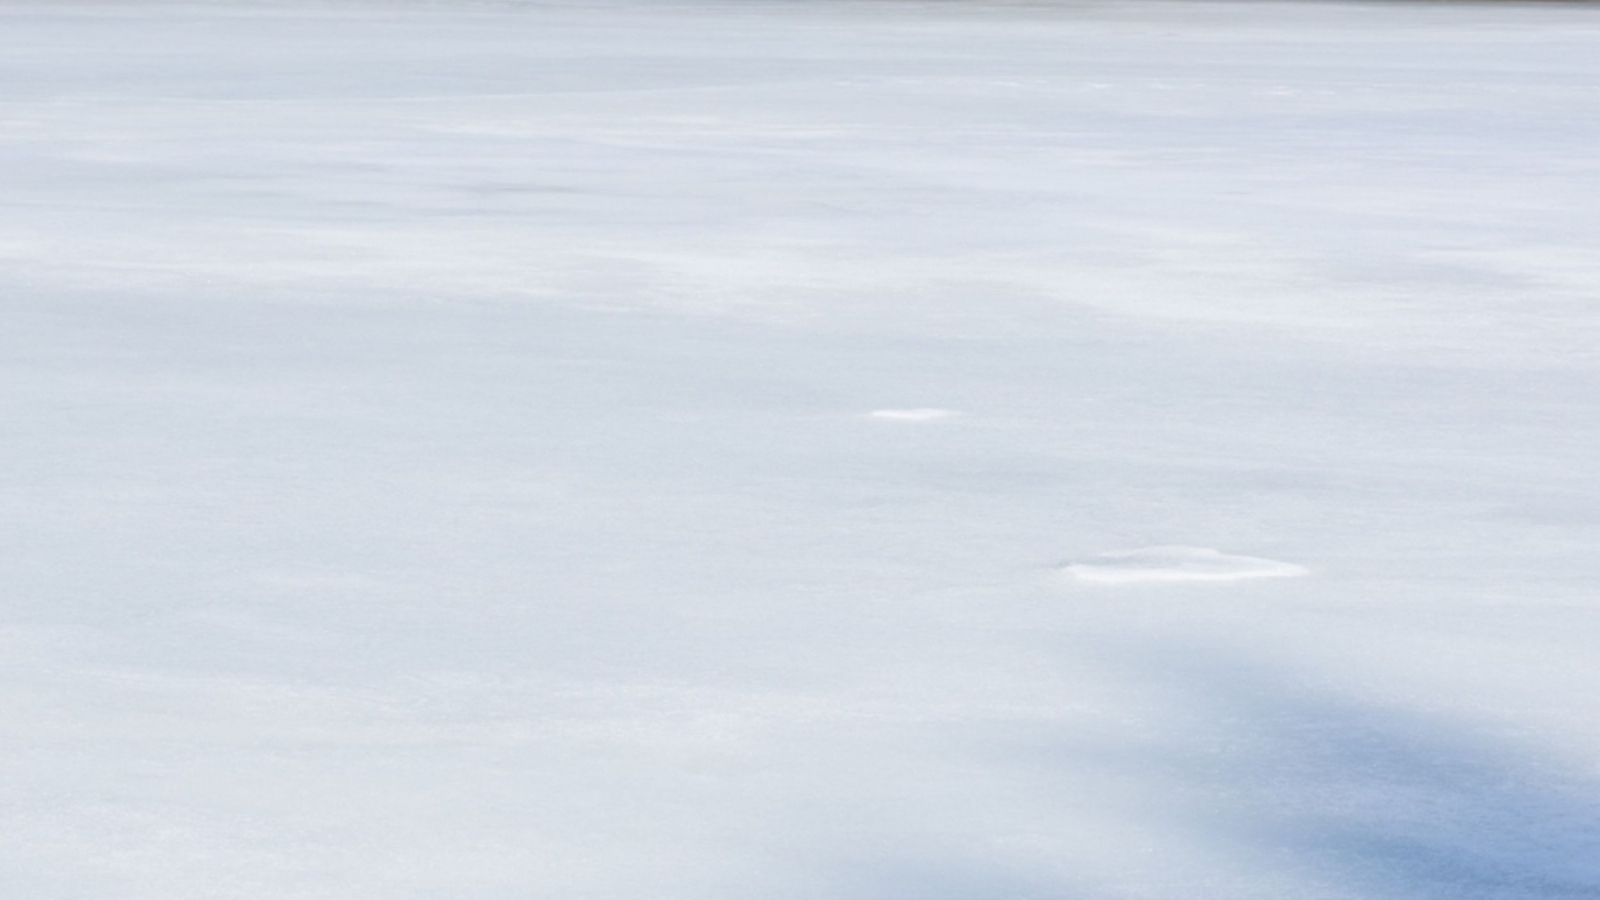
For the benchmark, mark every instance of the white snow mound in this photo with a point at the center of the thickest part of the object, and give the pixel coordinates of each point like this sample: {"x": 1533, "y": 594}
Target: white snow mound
{"x": 1177, "y": 563}
{"x": 921, "y": 414}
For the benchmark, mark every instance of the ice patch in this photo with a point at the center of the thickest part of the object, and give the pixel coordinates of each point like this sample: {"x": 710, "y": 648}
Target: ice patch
{"x": 921, "y": 414}
{"x": 1177, "y": 563}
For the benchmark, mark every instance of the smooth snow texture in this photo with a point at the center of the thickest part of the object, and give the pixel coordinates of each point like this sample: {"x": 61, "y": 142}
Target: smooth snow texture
{"x": 1176, "y": 563}
{"x": 437, "y": 462}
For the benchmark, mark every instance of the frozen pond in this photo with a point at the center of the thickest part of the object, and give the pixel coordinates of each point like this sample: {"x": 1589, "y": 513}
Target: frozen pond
{"x": 799, "y": 451}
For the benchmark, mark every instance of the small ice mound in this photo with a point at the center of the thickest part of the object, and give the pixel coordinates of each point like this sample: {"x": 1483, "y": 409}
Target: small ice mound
{"x": 921, "y": 414}
{"x": 1151, "y": 564}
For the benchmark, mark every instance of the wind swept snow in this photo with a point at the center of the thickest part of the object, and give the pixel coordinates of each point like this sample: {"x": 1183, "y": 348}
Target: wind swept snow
{"x": 625, "y": 450}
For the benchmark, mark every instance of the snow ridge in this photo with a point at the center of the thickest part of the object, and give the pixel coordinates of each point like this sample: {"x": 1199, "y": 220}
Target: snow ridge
{"x": 1177, "y": 563}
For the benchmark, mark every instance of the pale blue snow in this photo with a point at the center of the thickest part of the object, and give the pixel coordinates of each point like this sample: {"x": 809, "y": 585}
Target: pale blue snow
{"x": 629, "y": 450}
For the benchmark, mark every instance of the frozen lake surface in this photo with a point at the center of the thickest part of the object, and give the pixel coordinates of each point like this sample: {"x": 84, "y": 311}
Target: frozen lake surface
{"x": 799, "y": 451}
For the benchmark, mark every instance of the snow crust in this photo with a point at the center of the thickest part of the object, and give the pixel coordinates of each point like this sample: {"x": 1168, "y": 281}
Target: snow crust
{"x": 1177, "y": 564}
{"x": 920, "y": 414}
{"x": 438, "y": 455}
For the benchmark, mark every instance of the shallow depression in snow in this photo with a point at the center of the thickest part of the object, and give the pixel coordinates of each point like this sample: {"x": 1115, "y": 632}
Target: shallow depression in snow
{"x": 1177, "y": 563}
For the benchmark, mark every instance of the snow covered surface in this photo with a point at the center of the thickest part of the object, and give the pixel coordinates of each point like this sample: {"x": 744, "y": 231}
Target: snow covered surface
{"x": 496, "y": 450}
{"x": 1177, "y": 564}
